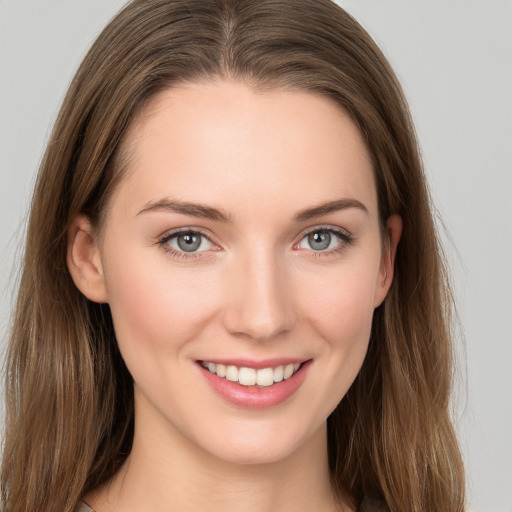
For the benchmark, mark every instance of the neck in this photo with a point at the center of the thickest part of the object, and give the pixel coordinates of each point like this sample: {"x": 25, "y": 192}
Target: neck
{"x": 168, "y": 473}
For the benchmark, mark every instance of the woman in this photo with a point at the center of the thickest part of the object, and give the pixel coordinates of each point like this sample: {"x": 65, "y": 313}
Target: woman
{"x": 232, "y": 292}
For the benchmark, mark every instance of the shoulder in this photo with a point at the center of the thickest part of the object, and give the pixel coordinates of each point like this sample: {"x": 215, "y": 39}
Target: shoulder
{"x": 82, "y": 507}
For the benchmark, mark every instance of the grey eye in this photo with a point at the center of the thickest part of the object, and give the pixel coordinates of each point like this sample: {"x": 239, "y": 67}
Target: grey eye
{"x": 190, "y": 241}
{"x": 319, "y": 240}
{"x": 323, "y": 240}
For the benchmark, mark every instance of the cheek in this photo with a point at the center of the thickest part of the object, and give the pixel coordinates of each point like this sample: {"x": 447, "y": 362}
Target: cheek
{"x": 339, "y": 311}
{"x": 341, "y": 305}
{"x": 156, "y": 307}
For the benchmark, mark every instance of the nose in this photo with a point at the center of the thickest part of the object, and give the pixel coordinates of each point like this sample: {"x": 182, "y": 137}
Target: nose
{"x": 259, "y": 304}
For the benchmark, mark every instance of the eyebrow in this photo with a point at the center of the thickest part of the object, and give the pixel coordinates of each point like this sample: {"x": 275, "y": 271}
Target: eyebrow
{"x": 330, "y": 207}
{"x": 208, "y": 212}
{"x": 186, "y": 208}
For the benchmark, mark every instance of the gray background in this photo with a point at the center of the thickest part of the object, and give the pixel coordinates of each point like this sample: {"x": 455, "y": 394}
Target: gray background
{"x": 455, "y": 62}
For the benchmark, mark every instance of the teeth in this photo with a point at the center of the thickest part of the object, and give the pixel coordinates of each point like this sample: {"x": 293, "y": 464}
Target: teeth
{"x": 263, "y": 377}
{"x": 288, "y": 371}
{"x": 232, "y": 373}
{"x": 247, "y": 376}
{"x": 221, "y": 370}
{"x": 278, "y": 374}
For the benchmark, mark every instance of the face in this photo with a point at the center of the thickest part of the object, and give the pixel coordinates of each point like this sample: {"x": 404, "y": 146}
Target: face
{"x": 242, "y": 259}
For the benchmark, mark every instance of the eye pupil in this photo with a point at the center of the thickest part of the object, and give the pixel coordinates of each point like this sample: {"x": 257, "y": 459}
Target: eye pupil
{"x": 319, "y": 240}
{"x": 189, "y": 242}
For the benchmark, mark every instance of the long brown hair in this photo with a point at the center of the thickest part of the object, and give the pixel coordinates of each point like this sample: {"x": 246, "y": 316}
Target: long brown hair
{"x": 69, "y": 423}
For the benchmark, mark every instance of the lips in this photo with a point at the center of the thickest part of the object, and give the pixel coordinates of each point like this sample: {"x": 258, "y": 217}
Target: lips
{"x": 255, "y": 384}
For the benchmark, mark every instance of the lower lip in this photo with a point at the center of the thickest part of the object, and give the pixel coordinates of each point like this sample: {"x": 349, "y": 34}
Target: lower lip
{"x": 251, "y": 397}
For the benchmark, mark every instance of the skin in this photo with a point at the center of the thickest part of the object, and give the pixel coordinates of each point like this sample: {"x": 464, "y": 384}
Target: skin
{"x": 257, "y": 290}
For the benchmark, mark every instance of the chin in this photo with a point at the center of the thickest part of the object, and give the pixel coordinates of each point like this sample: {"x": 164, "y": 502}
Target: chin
{"x": 253, "y": 455}
{"x": 262, "y": 444}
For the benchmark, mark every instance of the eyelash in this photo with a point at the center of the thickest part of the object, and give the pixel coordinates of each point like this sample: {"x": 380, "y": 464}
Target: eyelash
{"x": 164, "y": 240}
{"x": 345, "y": 239}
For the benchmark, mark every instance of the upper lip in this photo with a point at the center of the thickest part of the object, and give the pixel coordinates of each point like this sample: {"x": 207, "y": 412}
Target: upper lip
{"x": 257, "y": 364}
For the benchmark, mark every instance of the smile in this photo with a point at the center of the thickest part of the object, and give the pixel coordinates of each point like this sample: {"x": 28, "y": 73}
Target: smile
{"x": 245, "y": 376}
{"x": 255, "y": 384}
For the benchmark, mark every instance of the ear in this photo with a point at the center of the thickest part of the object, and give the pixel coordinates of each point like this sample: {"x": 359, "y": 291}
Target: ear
{"x": 84, "y": 260}
{"x": 387, "y": 263}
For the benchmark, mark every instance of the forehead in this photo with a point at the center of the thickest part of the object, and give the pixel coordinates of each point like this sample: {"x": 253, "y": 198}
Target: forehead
{"x": 225, "y": 142}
